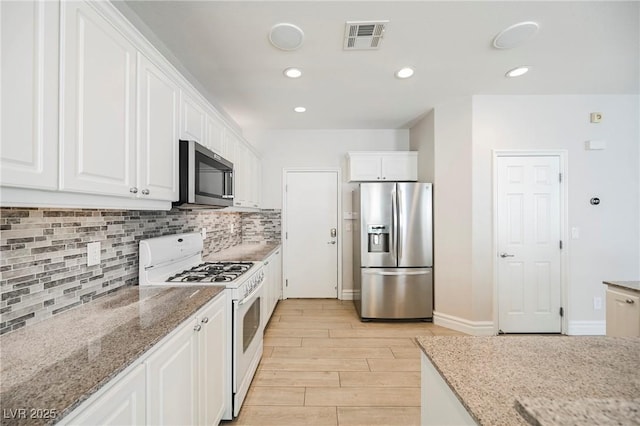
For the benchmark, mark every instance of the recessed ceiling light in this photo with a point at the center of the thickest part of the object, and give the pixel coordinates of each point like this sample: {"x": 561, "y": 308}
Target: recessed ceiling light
{"x": 292, "y": 72}
{"x": 286, "y": 36}
{"x": 517, "y": 72}
{"x": 515, "y": 35}
{"x": 299, "y": 109}
{"x": 405, "y": 72}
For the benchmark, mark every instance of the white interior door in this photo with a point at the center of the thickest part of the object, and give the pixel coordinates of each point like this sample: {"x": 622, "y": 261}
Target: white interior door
{"x": 311, "y": 241}
{"x": 529, "y": 248}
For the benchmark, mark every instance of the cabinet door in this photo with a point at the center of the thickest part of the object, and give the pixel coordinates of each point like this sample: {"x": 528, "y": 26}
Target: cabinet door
{"x": 623, "y": 313}
{"x": 256, "y": 171}
{"x": 98, "y": 109}
{"x": 193, "y": 120}
{"x": 172, "y": 380}
{"x": 157, "y": 133}
{"x": 400, "y": 166}
{"x": 364, "y": 167}
{"x": 29, "y": 86}
{"x": 123, "y": 404}
{"x": 241, "y": 175}
{"x": 229, "y": 146}
{"x": 215, "y": 134}
{"x": 214, "y": 361}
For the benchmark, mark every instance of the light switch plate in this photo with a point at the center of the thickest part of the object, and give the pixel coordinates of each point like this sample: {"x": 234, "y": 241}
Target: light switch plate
{"x": 93, "y": 253}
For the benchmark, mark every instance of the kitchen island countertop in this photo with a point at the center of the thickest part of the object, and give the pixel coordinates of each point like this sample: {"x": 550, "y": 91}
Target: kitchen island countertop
{"x": 630, "y": 285}
{"x": 56, "y": 364}
{"x": 498, "y": 378}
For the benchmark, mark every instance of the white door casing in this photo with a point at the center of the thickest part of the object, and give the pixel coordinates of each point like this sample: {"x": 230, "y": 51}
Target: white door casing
{"x": 310, "y": 211}
{"x": 528, "y": 225}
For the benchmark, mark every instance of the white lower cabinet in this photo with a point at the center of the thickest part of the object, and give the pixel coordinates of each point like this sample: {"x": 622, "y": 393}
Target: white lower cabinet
{"x": 214, "y": 362}
{"x": 273, "y": 283}
{"x": 184, "y": 380}
{"x": 171, "y": 373}
{"x": 623, "y": 312}
{"x": 124, "y": 403}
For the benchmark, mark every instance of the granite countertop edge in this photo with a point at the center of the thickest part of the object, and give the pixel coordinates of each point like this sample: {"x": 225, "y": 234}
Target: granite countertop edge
{"x": 446, "y": 380}
{"x": 628, "y": 285}
{"x": 144, "y": 314}
{"x": 249, "y": 252}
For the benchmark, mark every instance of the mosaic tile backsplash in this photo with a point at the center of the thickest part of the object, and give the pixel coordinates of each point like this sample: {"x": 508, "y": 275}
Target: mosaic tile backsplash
{"x": 43, "y": 262}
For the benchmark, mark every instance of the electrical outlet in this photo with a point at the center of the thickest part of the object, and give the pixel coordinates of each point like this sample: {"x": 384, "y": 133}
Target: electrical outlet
{"x": 597, "y": 303}
{"x": 203, "y": 232}
{"x": 93, "y": 253}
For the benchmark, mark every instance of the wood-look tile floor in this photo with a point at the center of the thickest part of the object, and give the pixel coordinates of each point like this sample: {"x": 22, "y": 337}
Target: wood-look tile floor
{"x": 323, "y": 366}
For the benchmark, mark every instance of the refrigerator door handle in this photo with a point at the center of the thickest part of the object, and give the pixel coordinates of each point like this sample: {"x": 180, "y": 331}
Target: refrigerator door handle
{"x": 396, "y": 200}
{"x": 394, "y": 223}
{"x": 374, "y": 272}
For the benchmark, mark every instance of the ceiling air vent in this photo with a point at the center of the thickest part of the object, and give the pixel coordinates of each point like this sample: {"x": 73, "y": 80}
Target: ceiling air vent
{"x": 364, "y": 35}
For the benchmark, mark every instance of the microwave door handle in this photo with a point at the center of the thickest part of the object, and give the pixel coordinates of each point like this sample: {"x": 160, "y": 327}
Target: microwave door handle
{"x": 227, "y": 193}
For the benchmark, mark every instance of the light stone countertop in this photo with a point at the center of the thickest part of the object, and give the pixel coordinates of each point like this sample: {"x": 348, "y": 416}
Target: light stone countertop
{"x": 489, "y": 375}
{"x": 629, "y": 285}
{"x": 244, "y": 253}
{"x": 580, "y": 412}
{"x": 58, "y": 363}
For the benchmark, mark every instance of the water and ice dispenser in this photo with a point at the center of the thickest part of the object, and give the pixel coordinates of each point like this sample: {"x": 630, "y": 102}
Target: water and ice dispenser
{"x": 378, "y": 237}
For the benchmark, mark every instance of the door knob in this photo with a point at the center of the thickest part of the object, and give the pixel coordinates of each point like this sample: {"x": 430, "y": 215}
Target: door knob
{"x": 506, "y": 255}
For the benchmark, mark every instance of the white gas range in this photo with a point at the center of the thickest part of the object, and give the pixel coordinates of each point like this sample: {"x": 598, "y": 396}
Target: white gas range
{"x": 176, "y": 260}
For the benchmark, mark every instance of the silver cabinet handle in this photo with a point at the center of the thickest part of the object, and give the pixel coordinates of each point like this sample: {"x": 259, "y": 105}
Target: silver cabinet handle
{"x": 630, "y": 301}
{"x": 205, "y": 320}
{"x": 145, "y": 192}
{"x": 197, "y": 327}
{"x": 331, "y": 242}
{"x": 133, "y": 190}
{"x": 506, "y": 255}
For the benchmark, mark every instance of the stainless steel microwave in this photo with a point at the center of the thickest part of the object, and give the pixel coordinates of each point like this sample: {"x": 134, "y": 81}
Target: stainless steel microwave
{"x": 206, "y": 179}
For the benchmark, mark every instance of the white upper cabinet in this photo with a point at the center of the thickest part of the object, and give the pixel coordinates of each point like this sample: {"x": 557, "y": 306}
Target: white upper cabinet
{"x": 380, "y": 166}
{"x": 194, "y": 119}
{"x": 98, "y": 104}
{"x": 158, "y": 118}
{"x": 241, "y": 175}
{"x": 216, "y": 134}
{"x": 29, "y": 87}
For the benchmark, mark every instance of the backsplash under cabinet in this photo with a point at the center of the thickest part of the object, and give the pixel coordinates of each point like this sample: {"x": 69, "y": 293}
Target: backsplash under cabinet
{"x": 43, "y": 259}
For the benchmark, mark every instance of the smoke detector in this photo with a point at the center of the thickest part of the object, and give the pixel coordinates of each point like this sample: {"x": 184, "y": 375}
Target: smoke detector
{"x": 364, "y": 35}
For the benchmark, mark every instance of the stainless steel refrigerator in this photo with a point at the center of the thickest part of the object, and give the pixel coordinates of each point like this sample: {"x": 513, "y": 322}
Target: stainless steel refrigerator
{"x": 393, "y": 250}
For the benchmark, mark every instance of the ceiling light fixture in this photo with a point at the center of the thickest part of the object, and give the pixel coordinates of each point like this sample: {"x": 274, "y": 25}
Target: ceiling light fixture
{"x": 292, "y": 72}
{"x": 286, "y": 36}
{"x": 300, "y": 109}
{"x": 517, "y": 72}
{"x": 405, "y": 72}
{"x": 515, "y": 35}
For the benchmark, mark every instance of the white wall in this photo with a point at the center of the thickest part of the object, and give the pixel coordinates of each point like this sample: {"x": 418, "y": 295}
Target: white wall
{"x": 321, "y": 149}
{"x": 609, "y": 243}
{"x": 422, "y": 139}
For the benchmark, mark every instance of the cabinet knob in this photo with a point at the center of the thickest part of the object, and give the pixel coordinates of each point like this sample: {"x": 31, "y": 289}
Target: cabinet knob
{"x": 145, "y": 192}
{"x": 630, "y": 301}
{"x": 384, "y": 177}
{"x": 133, "y": 190}
{"x": 205, "y": 320}
{"x": 197, "y": 327}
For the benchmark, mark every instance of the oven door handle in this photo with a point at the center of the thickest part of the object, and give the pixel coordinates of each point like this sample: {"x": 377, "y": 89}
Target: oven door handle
{"x": 250, "y": 296}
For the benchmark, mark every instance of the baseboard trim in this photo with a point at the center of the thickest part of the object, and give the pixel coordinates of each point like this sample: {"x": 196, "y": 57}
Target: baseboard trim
{"x": 347, "y": 295}
{"x": 587, "y": 328}
{"x": 474, "y": 328}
